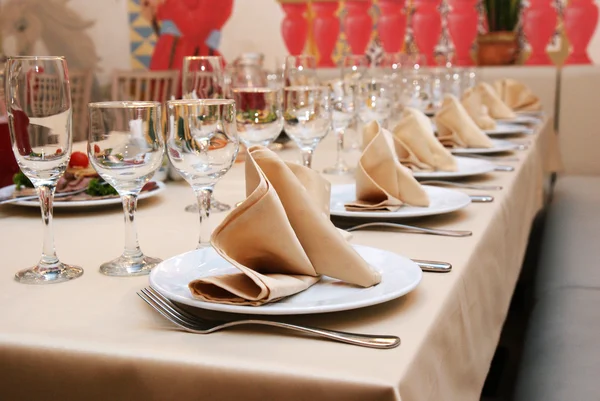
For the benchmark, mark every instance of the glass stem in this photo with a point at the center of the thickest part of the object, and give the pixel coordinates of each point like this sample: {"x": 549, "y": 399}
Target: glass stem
{"x": 204, "y": 196}
{"x": 132, "y": 247}
{"x": 307, "y": 154}
{"x": 49, "y": 260}
{"x": 340, "y": 147}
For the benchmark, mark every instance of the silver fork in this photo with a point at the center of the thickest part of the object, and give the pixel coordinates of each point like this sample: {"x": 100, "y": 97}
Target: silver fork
{"x": 195, "y": 324}
{"x": 461, "y": 185}
{"x": 414, "y": 229}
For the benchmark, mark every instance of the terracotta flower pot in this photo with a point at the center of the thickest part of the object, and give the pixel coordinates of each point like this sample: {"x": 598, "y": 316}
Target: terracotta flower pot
{"x": 497, "y": 48}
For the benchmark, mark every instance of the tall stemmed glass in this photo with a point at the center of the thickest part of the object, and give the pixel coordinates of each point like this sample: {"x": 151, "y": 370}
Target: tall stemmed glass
{"x": 203, "y": 78}
{"x": 342, "y": 106}
{"x": 300, "y": 71}
{"x": 306, "y": 117}
{"x": 374, "y": 101}
{"x": 259, "y": 120}
{"x": 354, "y": 69}
{"x": 126, "y": 147}
{"x": 202, "y": 144}
{"x": 38, "y": 100}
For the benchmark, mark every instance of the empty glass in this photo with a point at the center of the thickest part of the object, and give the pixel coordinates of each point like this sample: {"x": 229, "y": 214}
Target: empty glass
{"x": 469, "y": 78}
{"x": 202, "y": 144}
{"x": 354, "y": 67}
{"x": 126, "y": 147}
{"x": 38, "y": 101}
{"x": 374, "y": 101}
{"x": 444, "y": 81}
{"x": 307, "y": 117}
{"x": 342, "y": 106}
{"x": 259, "y": 120}
{"x": 416, "y": 91}
{"x": 300, "y": 71}
{"x": 203, "y": 78}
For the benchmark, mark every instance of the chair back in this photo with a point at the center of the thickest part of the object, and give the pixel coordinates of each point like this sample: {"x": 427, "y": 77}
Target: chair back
{"x": 158, "y": 86}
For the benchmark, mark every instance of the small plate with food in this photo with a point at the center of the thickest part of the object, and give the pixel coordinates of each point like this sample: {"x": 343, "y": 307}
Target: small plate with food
{"x": 80, "y": 175}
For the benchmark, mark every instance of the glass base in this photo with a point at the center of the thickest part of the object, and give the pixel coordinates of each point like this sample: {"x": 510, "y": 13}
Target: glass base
{"x": 215, "y": 207}
{"x": 339, "y": 170}
{"x": 62, "y": 272}
{"x": 127, "y": 267}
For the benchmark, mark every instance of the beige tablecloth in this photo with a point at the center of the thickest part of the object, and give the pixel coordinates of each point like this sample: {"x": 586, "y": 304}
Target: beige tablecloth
{"x": 94, "y": 339}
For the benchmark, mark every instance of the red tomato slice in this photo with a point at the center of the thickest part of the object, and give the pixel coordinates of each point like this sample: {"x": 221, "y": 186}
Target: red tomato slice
{"x": 79, "y": 159}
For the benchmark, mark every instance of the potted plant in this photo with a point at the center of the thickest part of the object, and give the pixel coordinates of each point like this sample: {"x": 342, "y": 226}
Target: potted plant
{"x": 499, "y": 46}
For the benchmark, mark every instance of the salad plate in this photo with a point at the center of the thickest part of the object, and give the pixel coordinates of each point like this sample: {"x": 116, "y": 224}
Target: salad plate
{"x": 399, "y": 276}
{"x": 508, "y": 129}
{"x": 442, "y": 201}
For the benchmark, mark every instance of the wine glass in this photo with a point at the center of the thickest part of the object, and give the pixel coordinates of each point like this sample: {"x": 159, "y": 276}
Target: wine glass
{"x": 202, "y": 144}
{"x": 417, "y": 91}
{"x": 38, "y": 101}
{"x": 258, "y": 119}
{"x": 469, "y": 78}
{"x": 354, "y": 68}
{"x": 300, "y": 70}
{"x": 126, "y": 147}
{"x": 306, "y": 117}
{"x": 342, "y": 106}
{"x": 203, "y": 78}
{"x": 374, "y": 101}
{"x": 415, "y": 61}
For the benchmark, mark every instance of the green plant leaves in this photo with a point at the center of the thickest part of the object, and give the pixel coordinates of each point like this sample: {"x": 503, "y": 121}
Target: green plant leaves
{"x": 502, "y": 15}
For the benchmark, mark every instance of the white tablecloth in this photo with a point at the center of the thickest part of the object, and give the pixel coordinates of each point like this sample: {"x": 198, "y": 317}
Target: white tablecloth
{"x": 94, "y": 339}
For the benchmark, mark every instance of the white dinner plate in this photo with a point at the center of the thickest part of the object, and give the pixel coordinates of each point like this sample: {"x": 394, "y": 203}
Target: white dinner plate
{"x": 399, "y": 276}
{"x": 442, "y": 200}
{"x": 521, "y": 119}
{"x": 508, "y": 129}
{"x": 84, "y": 203}
{"x": 500, "y": 145}
{"x": 467, "y": 167}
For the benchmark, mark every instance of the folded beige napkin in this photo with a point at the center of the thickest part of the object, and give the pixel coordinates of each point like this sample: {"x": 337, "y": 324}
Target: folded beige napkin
{"x": 517, "y": 95}
{"x": 472, "y": 102}
{"x": 280, "y": 237}
{"x": 416, "y": 145}
{"x": 382, "y": 183}
{"x": 490, "y": 98}
{"x": 456, "y": 129}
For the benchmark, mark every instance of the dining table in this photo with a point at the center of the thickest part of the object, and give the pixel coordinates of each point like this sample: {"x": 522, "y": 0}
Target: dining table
{"x": 93, "y": 338}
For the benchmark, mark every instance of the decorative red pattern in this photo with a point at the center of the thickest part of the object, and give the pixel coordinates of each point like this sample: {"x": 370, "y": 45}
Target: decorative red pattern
{"x": 462, "y": 25}
{"x": 294, "y": 27}
{"x": 358, "y": 25}
{"x": 427, "y": 27}
{"x": 326, "y": 28}
{"x": 539, "y": 23}
{"x": 580, "y": 20}
{"x": 392, "y": 25}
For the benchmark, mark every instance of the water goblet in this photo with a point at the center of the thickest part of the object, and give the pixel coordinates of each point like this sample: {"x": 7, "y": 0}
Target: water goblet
{"x": 342, "y": 105}
{"x": 258, "y": 119}
{"x": 203, "y": 78}
{"x": 354, "y": 68}
{"x": 417, "y": 91}
{"x": 126, "y": 147}
{"x": 469, "y": 78}
{"x": 38, "y": 101}
{"x": 202, "y": 144}
{"x": 306, "y": 117}
{"x": 374, "y": 101}
{"x": 300, "y": 70}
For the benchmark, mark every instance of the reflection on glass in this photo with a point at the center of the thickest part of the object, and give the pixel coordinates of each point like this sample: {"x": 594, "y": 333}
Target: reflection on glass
{"x": 259, "y": 120}
{"x": 126, "y": 148}
{"x": 202, "y": 145}
{"x": 300, "y": 71}
{"x": 307, "y": 117}
{"x": 38, "y": 101}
